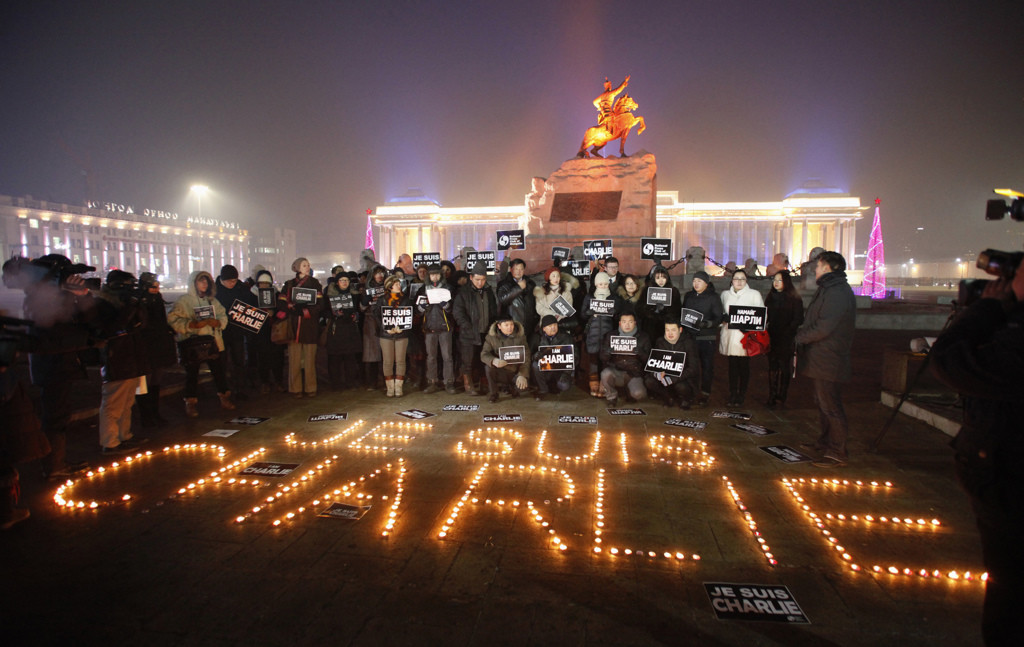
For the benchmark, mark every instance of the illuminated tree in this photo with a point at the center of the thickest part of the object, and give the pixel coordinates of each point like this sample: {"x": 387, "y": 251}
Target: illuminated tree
{"x": 369, "y": 233}
{"x": 874, "y": 267}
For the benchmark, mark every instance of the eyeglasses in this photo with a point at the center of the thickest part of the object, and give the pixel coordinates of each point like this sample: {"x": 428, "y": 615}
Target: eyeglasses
{"x": 740, "y": 279}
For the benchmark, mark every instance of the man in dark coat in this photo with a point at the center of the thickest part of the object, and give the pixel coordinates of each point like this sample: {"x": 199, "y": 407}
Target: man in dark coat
{"x": 438, "y": 325}
{"x": 515, "y": 296}
{"x": 547, "y": 381}
{"x": 981, "y": 355}
{"x": 823, "y": 353}
{"x": 624, "y": 367}
{"x": 229, "y": 288}
{"x": 684, "y": 388}
{"x": 504, "y": 333}
{"x": 475, "y": 309}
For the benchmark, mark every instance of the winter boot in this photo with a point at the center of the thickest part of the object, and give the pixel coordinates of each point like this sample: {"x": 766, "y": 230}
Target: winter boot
{"x": 449, "y": 388}
{"x": 10, "y": 488}
{"x": 433, "y": 387}
{"x": 468, "y": 383}
{"x": 191, "y": 407}
{"x": 773, "y": 387}
{"x": 595, "y": 386}
{"x": 398, "y": 382}
{"x": 390, "y": 382}
{"x": 225, "y": 401}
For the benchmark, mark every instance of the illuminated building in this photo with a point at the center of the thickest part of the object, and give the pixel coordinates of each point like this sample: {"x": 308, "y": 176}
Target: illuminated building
{"x": 812, "y": 216}
{"x": 108, "y": 236}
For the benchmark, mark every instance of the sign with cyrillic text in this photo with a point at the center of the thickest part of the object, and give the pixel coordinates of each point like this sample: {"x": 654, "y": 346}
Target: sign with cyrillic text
{"x": 746, "y": 318}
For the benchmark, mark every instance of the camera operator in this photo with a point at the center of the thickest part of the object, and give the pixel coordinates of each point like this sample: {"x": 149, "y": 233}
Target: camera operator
{"x": 981, "y": 355}
{"x": 62, "y": 309}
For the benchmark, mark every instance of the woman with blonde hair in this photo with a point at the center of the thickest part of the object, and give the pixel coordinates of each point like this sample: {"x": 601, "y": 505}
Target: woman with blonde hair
{"x": 300, "y": 302}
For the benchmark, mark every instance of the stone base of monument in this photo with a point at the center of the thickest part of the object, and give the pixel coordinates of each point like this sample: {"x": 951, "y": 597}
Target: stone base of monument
{"x": 591, "y": 199}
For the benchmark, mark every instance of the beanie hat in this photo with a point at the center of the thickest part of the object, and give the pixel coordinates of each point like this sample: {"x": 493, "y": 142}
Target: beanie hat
{"x": 602, "y": 277}
{"x": 434, "y": 268}
{"x": 547, "y": 320}
{"x": 479, "y": 269}
{"x": 264, "y": 276}
{"x": 703, "y": 276}
{"x": 228, "y": 272}
{"x": 388, "y": 282}
{"x": 146, "y": 279}
{"x": 120, "y": 279}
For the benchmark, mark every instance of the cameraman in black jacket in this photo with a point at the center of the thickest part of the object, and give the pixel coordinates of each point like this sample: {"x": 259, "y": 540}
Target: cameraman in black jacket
{"x": 981, "y": 355}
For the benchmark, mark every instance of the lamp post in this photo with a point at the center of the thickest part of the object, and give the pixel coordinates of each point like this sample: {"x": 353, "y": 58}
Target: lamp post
{"x": 200, "y": 190}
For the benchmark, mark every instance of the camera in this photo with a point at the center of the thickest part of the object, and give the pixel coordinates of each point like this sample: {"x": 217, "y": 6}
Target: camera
{"x": 993, "y": 261}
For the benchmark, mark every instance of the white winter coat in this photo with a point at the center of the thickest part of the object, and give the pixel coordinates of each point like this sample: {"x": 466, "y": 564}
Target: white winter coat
{"x": 729, "y": 342}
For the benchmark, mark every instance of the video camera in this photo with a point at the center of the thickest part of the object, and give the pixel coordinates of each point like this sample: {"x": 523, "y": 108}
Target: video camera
{"x": 53, "y": 268}
{"x": 993, "y": 261}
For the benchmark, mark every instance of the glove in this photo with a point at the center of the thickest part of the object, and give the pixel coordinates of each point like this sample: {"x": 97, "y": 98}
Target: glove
{"x": 521, "y": 382}
{"x": 281, "y": 314}
{"x": 499, "y": 362}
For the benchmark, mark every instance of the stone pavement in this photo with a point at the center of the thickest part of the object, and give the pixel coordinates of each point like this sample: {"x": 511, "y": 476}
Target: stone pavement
{"x": 184, "y": 562}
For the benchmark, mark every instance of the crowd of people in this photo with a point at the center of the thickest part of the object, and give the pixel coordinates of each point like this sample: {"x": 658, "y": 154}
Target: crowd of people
{"x": 432, "y": 327}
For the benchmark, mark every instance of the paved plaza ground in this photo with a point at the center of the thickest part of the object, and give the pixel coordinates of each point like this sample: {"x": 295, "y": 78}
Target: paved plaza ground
{"x": 184, "y": 562}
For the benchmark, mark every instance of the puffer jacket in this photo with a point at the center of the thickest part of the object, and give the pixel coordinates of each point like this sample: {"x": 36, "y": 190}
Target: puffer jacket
{"x": 598, "y": 326}
{"x": 183, "y": 311}
{"x": 496, "y": 339}
{"x": 730, "y": 343}
{"x": 633, "y": 363}
{"x": 825, "y": 338}
{"x": 709, "y": 304}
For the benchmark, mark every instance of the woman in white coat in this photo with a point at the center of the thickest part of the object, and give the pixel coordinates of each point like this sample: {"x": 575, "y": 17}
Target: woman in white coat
{"x": 730, "y": 342}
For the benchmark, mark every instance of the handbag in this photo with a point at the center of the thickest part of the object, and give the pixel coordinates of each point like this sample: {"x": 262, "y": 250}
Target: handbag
{"x": 197, "y": 349}
{"x": 281, "y": 331}
{"x": 756, "y": 342}
{"x": 21, "y": 433}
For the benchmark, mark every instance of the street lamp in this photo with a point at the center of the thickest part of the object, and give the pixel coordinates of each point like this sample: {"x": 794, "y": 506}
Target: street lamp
{"x": 200, "y": 190}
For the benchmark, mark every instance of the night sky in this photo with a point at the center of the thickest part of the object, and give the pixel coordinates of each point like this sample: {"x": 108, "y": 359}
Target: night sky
{"x": 308, "y": 113}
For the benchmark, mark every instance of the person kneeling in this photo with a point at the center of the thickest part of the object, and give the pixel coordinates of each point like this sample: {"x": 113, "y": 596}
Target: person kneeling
{"x": 505, "y": 357}
{"x": 550, "y": 380}
{"x": 667, "y": 387}
{"x": 624, "y": 360}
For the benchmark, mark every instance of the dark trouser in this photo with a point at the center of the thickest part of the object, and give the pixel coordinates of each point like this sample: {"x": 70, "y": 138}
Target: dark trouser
{"x": 1000, "y": 528}
{"x": 234, "y": 363}
{"x": 834, "y": 428}
{"x": 216, "y": 369}
{"x": 343, "y": 369}
{"x": 739, "y": 376}
{"x": 496, "y": 376}
{"x": 469, "y": 355}
{"x": 55, "y": 398}
{"x": 706, "y": 352}
{"x": 683, "y": 391}
{"x": 551, "y": 381}
{"x": 269, "y": 361}
{"x": 442, "y": 341}
{"x": 780, "y": 371}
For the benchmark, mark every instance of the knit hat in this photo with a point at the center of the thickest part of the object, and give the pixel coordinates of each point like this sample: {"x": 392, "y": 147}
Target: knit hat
{"x": 119, "y": 279}
{"x": 434, "y": 268}
{"x": 264, "y": 276}
{"x": 228, "y": 272}
{"x": 547, "y": 320}
{"x": 146, "y": 279}
{"x": 703, "y": 276}
{"x": 547, "y": 274}
{"x": 479, "y": 268}
{"x": 388, "y": 282}
{"x": 602, "y": 277}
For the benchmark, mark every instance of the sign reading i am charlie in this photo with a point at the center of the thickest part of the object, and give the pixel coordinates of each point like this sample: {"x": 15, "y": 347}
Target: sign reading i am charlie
{"x": 425, "y": 258}
{"x": 511, "y": 239}
{"x": 304, "y": 296}
{"x": 477, "y": 257}
{"x": 578, "y": 268}
{"x": 512, "y": 354}
{"x": 670, "y": 362}
{"x": 595, "y": 249}
{"x": 746, "y": 318}
{"x": 656, "y": 249}
{"x": 659, "y": 296}
{"x": 396, "y": 317}
{"x": 556, "y": 358}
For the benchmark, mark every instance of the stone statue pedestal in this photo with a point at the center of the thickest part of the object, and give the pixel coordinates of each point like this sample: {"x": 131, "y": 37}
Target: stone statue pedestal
{"x": 588, "y": 199}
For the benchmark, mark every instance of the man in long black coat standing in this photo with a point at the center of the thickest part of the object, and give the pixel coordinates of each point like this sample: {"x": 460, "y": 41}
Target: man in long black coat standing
{"x": 823, "y": 354}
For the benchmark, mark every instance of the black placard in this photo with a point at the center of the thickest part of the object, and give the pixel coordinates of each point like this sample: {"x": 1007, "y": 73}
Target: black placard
{"x": 374, "y": 291}
{"x": 511, "y": 239}
{"x": 733, "y": 415}
{"x": 603, "y": 307}
{"x": 247, "y": 317}
{"x": 745, "y": 318}
{"x": 578, "y": 420}
{"x": 765, "y": 602}
{"x": 247, "y": 420}
{"x": 696, "y": 425}
{"x": 559, "y": 254}
{"x": 623, "y": 344}
{"x": 460, "y": 407}
{"x": 344, "y": 511}
{"x": 340, "y": 302}
{"x": 579, "y": 269}
{"x": 595, "y": 249}
{"x": 691, "y": 319}
{"x": 304, "y": 296}
{"x": 627, "y": 412}
{"x": 754, "y": 430}
{"x": 656, "y": 249}
{"x": 512, "y": 354}
{"x": 504, "y": 417}
{"x": 785, "y": 454}
{"x": 659, "y": 296}
{"x": 562, "y": 307}
{"x": 670, "y": 362}
{"x": 396, "y": 317}
{"x": 327, "y": 417}
{"x": 265, "y": 297}
{"x": 275, "y": 470}
{"x": 426, "y": 258}
{"x": 486, "y": 256}
{"x": 556, "y": 358}
{"x": 204, "y": 312}
{"x": 416, "y": 414}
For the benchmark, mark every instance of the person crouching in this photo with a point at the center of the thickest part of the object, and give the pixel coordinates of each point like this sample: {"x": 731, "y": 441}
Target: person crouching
{"x": 504, "y": 333}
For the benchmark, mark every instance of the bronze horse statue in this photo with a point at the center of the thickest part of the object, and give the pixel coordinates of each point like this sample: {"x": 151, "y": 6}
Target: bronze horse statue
{"x": 616, "y": 126}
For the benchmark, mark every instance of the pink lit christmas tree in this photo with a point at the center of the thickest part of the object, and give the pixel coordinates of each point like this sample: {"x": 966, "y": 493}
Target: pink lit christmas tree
{"x": 369, "y": 232}
{"x": 874, "y": 268}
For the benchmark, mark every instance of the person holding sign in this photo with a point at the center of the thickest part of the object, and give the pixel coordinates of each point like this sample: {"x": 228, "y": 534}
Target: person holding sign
{"x": 229, "y": 290}
{"x": 624, "y": 353}
{"x": 515, "y": 296}
{"x": 300, "y": 301}
{"x": 268, "y": 356}
{"x": 343, "y": 338}
{"x": 705, "y": 300}
{"x": 393, "y": 328}
{"x": 663, "y": 384}
{"x": 475, "y": 309}
{"x": 371, "y": 340}
{"x": 434, "y": 301}
{"x": 600, "y": 308}
{"x": 730, "y": 343}
{"x": 556, "y": 285}
{"x": 549, "y": 379}
{"x": 506, "y": 357}
{"x": 659, "y": 303}
{"x": 785, "y": 314}
{"x": 188, "y": 319}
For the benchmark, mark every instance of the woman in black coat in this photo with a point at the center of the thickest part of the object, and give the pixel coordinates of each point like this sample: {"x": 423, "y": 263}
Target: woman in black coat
{"x": 158, "y": 340}
{"x": 344, "y": 340}
{"x": 785, "y": 314}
